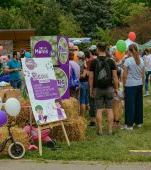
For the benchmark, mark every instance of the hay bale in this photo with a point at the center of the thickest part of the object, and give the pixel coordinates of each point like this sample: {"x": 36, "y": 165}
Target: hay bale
{"x": 24, "y": 115}
{"x": 18, "y": 134}
{"x": 22, "y": 119}
{"x": 71, "y": 107}
{"x": 13, "y": 93}
{"x": 2, "y": 95}
{"x": 75, "y": 128}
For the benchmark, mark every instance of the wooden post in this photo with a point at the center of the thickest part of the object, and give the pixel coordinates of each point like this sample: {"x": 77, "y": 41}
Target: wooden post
{"x": 50, "y": 125}
{"x": 65, "y": 133}
{"x": 40, "y": 141}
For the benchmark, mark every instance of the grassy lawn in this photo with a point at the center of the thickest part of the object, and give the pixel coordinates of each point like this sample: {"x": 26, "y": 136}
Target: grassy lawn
{"x": 106, "y": 148}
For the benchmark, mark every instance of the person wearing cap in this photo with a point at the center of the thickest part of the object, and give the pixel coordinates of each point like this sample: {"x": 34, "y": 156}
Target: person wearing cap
{"x": 75, "y": 50}
{"x": 92, "y": 111}
{"x": 22, "y": 53}
{"x": 74, "y": 67}
{"x": 84, "y": 93}
{"x": 13, "y": 68}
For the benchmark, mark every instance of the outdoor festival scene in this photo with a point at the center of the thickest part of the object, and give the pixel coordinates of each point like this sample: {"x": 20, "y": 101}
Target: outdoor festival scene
{"x": 75, "y": 80}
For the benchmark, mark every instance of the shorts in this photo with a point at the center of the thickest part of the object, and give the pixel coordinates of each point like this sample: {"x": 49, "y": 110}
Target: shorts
{"x": 104, "y": 98}
{"x": 84, "y": 93}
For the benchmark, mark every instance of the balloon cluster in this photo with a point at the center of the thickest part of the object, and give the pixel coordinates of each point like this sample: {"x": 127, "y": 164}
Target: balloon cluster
{"x": 121, "y": 45}
{"x": 12, "y": 107}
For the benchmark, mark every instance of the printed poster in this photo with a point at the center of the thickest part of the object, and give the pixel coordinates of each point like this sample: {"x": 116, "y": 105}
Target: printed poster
{"x": 56, "y": 48}
{"x": 43, "y": 90}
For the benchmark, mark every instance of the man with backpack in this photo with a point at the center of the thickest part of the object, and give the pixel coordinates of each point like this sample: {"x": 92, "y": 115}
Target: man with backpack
{"x": 103, "y": 82}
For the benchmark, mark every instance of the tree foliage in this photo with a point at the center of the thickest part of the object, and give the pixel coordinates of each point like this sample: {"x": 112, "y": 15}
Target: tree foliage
{"x": 12, "y": 19}
{"x": 68, "y": 26}
{"x": 106, "y": 20}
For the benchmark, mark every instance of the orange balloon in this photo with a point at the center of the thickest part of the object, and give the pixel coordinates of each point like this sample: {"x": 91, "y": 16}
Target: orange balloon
{"x": 119, "y": 55}
{"x": 1, "y": 47}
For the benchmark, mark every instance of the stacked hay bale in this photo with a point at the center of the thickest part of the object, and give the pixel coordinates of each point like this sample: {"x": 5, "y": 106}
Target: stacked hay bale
{"x": 12, "y": 93}
{"x": 75, "y": 125}
{"x": 18, "y": 134}
{"x": 6, "y": 93}
{"x": 71, "y": 107}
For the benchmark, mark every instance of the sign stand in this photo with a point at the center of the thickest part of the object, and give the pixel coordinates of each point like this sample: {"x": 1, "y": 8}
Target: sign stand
{"x": 51, "y": 125}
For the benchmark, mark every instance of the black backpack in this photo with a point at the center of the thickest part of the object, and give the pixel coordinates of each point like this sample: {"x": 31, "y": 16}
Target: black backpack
{"x": 103, "y": 73}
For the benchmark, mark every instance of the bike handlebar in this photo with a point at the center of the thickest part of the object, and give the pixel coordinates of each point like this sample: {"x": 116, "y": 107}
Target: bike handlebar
{"x": 9, "y": 126}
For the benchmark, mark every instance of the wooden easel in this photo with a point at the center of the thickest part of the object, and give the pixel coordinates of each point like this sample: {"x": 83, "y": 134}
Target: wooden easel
{"x": 51, "y": 125}
{"x": 45, "y": 126}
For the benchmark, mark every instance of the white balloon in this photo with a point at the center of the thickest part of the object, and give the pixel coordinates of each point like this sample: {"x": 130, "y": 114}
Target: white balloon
{"x": 12, "y": 107}
{"x": 1, "y": 103}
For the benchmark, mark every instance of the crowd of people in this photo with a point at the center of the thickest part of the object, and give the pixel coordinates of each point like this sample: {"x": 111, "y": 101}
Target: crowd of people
{"x": 102, "y": 81}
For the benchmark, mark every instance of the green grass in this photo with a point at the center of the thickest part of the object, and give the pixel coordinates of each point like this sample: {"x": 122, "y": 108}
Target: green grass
{"x": 105, "y": 148}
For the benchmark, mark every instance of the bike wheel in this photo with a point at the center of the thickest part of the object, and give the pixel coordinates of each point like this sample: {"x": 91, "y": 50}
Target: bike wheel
{"x": 16, "y": 150}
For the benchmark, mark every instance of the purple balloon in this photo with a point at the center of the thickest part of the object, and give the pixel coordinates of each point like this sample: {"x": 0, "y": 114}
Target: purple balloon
{"x": 3, "y": 117}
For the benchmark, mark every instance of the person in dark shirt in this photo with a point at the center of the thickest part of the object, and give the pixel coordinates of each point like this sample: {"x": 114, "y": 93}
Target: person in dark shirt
{"x": 103, "y": 96}
{"x": 92, "y": 111}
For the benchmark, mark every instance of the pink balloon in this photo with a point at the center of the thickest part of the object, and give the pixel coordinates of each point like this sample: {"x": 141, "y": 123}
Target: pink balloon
{"x": 132, "y": 36}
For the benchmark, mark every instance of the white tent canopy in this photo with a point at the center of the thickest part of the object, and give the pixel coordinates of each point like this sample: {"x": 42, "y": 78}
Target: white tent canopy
{"x": 80, "y": 40}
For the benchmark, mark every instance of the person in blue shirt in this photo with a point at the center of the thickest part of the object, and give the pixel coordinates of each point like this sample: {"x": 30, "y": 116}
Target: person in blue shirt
{"x": 14, "y": 68}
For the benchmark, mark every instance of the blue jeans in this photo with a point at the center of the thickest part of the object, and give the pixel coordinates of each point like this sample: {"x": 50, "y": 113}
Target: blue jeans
{"x": 16, "y": 84}
{"x": 146, "y": 80}
{"x": 133, "y": 105}
{"x": 84, "y": 93}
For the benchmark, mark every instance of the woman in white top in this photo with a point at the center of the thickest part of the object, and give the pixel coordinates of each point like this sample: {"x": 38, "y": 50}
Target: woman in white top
{"x": 147, "y": 62}
{"x": 133, "y": 77}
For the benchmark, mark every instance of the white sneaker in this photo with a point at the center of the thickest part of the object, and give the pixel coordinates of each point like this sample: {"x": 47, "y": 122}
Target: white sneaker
{"x": 129, "y": 128}
{"x": 124, "y": 127}
{"x": 146, "y": 94}
{"x": 139, "y": 125}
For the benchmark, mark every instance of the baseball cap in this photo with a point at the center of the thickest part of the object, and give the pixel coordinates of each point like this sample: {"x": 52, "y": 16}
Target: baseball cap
{"x": 93, "y": 47}
{"x": 75, "y": 47}
{"x": 80, "y": 54}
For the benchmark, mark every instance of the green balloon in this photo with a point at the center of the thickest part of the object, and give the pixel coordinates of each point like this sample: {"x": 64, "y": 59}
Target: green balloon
{"x": 121, "y": 46}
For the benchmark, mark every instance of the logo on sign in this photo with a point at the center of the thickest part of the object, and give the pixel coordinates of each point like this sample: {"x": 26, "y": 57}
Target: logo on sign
{"x": 42, "y": 49}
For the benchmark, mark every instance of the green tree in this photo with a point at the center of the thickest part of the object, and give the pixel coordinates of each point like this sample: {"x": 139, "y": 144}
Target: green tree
{"x": 49, "y": 21}
{"x": 104, "y": 35}
{"x": 147, "y": 2}
{"x": 10, "y": 3}
{"x": 89, "y": 13}
{"x": 68, "y": 26}
{"x": 12, "y": 19}
{"x": 137, "y": 20}
{"x": 32, "y": 11}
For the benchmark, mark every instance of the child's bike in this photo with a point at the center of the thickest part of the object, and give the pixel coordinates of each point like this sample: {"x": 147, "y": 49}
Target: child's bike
{"x": 16, "y": 150}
